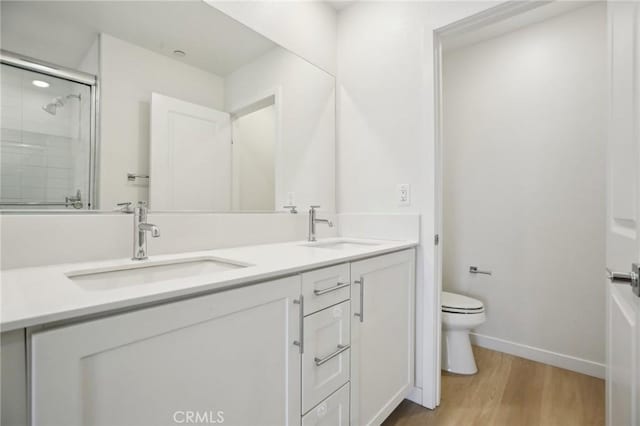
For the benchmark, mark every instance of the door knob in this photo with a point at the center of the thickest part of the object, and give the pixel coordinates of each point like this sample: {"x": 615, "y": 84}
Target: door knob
{"x": 632, "y": 278}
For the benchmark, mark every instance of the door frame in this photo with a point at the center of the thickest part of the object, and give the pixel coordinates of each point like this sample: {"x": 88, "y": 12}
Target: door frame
{"x": 238, "y": 110}
{"x": 462, "y": 27}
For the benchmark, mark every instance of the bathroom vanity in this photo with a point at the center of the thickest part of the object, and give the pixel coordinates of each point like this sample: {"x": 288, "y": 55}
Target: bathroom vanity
{"x": 293, "y": 333}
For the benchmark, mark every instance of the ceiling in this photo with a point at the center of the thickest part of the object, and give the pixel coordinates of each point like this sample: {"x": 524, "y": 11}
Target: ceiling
{"x": 61, "y": 32}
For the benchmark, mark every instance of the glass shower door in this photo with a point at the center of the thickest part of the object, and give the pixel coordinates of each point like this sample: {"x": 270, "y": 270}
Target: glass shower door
{"x": 45, "y": 141}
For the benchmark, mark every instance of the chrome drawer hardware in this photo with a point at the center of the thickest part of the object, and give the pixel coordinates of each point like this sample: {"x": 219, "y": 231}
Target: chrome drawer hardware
{"x": 330, "y": 289}
{"x": 361, "y": 313}
{"x": 341, "y": 348}
{"x": 300, "y": 343}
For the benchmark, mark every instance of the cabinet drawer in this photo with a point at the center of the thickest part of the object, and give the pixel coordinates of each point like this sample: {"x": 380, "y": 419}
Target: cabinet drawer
{"x": 325, "y": 362}
{"x": 333, "y": 411}
{"x": 325, "y": 287}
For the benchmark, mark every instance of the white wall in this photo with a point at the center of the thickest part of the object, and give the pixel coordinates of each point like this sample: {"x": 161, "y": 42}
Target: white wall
{"x": 90, "y": 63}
{"x": 524, "y": 184}
{"x": 386, "y": 134}
{"x": 305, "y": 108}
{"x": 307, "y": 28}
{"x": 128, "y": 76}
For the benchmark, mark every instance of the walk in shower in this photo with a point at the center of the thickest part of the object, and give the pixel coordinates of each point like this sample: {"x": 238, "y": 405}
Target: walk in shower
{"x": 47, "y": 137}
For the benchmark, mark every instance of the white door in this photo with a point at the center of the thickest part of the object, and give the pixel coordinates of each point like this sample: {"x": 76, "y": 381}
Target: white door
{"x": 225, "y": 358}
{"x": 190, "y": 156}
{"x": 623, "y": 220}
{"x": 382, "y": 335}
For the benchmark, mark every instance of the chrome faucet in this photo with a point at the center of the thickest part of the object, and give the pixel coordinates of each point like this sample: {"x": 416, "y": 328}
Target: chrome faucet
{"x": 140, "y": 229}
{"x": 313, "y": 220}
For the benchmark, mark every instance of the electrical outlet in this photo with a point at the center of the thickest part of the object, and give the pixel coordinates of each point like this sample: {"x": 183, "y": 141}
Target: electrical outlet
{"x": 404, "y": 194}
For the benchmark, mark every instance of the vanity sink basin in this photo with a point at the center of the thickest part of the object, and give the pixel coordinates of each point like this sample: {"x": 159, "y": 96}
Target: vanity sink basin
{"x": 341, "y": 245}
{"x": 149, "y": 272}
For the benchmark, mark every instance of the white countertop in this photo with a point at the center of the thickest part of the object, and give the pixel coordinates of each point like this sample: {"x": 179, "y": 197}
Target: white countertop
{"x": 40, "y": 295}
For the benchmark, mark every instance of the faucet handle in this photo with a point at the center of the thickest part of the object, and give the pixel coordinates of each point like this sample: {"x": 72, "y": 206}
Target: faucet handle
{"x": 313, "y": 207}
{"x": 292, "y": 209}
{"x": 142, "y": 203}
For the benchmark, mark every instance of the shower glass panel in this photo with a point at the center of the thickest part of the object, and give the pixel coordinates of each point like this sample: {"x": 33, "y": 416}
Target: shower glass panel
{"x": 45, "y": 141}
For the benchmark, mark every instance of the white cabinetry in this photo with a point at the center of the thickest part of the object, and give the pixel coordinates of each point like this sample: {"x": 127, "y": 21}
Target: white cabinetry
{"x": 229, "y": 354}
{"x": 332, "y": 346}
{"x": 325, "y": 287}
{"x": 382, "y": 335}
{"x": 325, "y": 363}
{"x": 333, "y": 411}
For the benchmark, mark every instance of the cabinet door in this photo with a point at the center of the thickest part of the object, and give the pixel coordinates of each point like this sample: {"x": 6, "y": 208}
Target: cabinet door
{"x": 227, "y": 357}
{"x": 382, "y": 335}
{"x": 325, "y": 363}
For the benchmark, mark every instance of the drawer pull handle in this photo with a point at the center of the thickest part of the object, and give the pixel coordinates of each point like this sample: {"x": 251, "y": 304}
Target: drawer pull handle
{"x": 300, "y": 343}
{"x": 341, "y": 348}
{"x": 361, "y": 313}
{"x": 330, "y": 289}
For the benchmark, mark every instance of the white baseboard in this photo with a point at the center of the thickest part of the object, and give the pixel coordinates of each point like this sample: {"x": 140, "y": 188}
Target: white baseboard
{"x": 567, "y": 362}
{"x": 415, "y": 395}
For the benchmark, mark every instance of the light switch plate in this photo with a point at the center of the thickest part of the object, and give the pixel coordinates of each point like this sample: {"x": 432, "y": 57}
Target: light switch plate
{"x": 404, "y": 194}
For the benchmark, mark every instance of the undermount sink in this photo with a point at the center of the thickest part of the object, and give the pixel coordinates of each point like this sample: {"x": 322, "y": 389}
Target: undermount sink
{"x": 341, "y": 244}
{"x": 149, "y": 272}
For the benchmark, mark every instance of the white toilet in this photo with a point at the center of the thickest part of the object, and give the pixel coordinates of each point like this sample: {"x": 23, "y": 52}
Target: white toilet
{"x": 459, "y": 315}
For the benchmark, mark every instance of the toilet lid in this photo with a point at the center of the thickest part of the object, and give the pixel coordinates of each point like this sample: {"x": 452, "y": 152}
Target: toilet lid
{"x": 457, "y": 303}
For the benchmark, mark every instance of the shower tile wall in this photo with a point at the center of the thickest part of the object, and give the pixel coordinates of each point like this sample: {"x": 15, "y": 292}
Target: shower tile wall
{"x": 43, "y": 157}
{"x": 35, "y": 166}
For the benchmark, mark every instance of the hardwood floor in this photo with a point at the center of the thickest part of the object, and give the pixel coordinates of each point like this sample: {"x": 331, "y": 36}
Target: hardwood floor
{"x": 510, "y": 391}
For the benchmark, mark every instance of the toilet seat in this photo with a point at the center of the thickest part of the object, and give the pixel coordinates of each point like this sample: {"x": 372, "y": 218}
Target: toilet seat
{"x": 458, "y": 304}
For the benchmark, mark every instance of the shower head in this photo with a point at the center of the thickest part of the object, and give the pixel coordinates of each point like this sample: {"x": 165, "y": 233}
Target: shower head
{"x": 52, "y": 107}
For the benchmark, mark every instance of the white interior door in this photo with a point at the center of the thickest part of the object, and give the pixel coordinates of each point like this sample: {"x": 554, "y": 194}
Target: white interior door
{"x": 623, "y": 221}
{"x": 190, "y": 156}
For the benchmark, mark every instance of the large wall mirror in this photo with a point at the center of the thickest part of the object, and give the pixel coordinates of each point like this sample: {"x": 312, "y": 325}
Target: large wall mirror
{"x": 173, "y": 103}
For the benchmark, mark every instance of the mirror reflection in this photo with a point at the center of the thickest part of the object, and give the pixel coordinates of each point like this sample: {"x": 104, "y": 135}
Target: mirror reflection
{"x": 173, "y": 103}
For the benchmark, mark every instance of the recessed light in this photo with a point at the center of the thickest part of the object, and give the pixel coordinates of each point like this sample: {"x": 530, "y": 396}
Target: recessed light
{"x": 179, "y": 53}
{"x": 40, "y": 83}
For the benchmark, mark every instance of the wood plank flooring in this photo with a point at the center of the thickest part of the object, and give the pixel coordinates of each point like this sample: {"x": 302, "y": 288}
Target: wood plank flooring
{"x": 510, "y": 391}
